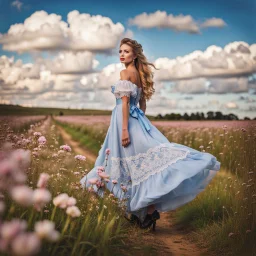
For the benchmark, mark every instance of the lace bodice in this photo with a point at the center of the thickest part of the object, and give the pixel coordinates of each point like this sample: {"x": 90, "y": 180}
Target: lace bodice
{"x": 126, "y": 88}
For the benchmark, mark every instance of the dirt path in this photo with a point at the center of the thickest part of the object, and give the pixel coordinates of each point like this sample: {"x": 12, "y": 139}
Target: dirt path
{"x": 174, "y": 237}
{"x": 169, "y": 238}
{"x": 76, "y": 147}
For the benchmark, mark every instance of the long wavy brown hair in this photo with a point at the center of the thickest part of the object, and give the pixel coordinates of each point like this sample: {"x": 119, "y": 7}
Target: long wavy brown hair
{"x": 143, "y": 66}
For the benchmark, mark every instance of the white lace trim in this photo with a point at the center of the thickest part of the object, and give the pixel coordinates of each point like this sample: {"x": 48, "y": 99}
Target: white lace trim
{"x": 143, "y": 165}
{"x": 125, "y": 88}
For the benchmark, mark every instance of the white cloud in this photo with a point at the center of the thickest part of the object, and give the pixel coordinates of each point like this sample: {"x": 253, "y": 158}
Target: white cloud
{"x": 228, "y": 85}
{"x": 83, "y": 32}
{"x": 17, "y": 4}
{"x": 216, "y": 70}
{"x": 214, "y": 22}
{"x": 191, "y": 86}
{"x": 73, "y": 63}
{"x": 231, "y": 105}
{"x": 160, "y": 19}
{"x": 236, "y": 58}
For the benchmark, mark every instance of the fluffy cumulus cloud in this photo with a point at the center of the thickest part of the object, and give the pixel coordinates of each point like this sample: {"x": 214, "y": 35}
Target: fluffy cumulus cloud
{"x": 82, "y": 32}
{"x": 215, "y": 70}
{"x": 185, "y": 23}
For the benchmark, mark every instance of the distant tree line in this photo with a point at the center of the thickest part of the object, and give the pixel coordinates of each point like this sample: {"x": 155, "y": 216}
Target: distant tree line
{"x": 210, "y": 115}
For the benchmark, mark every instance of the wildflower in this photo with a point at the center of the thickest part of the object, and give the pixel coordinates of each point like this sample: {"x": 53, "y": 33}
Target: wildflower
{"x": 93, "y": 180}
{"x": 37, "y": 134}
{"x": 66, "y": 148}
{"x": 114, "y": 181}
{"x": 107, "y": 151}
{"x": 41, "y": 197}
{"x": 71, "y": 201}
{"x": 46, "y": 230}
{"x": 26, "y": 244}
{"x": 80, "y": 157}
{"x": 91, "y": 189}
{"x": 124, "y": 188}
{"x": 231, "y": 234}
{"x": 101, "y": 168}
{"x": 99, "y": 184}
{"x": 43, "y": 179}
{"x": 41, "y": 140}
{"x": 103, "y": 175}
{"x": 61, "y": 200}
{"x": 73, "y": 211}
{"x": 10, "y": 229}
{"x": 201, "y": 146}
{"x": 248, "y": 231}
{"x": 210, "y": 142}
{"x": 23, "y": 195}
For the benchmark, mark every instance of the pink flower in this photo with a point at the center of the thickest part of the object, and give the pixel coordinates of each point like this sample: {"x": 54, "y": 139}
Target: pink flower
{"x": 71, "y": 201}
{"x": 101, "y": 168}
{"x": 103, "y": 175}
{"x": 73, "y": 211}
{"x": 43, "y": 179}
{"x": 26, "y": 244}
{"x": 66, "y": 148}
{"x": 23, "y": 195}
{"x": 80, "y": 157}
{"x": 42, "y": 140}
{"x": 114, "y": 181}
{"x": 107, "y": 151}
{"x": 61, "y": 200}
{"x": 10, "y": 229}
{"x": 231, "y": 234}
{"x": 124, "y": 188}
{"x": 41, "y": 197}
{"x": 45, "y": 229}
{"x": 37, "y": 134}
{"x": 93, "y": 180}
{"x": 100, "y": 184}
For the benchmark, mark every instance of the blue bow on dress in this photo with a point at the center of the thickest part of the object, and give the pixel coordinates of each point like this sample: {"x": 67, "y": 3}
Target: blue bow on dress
{"x": 138, "y": 113}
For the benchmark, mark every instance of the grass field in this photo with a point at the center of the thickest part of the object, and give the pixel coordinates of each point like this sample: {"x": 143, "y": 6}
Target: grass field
{"x": 40, "y": 181}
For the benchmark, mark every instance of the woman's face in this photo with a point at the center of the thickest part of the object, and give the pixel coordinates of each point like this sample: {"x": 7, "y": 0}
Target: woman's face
{"x": 126, "y": 54}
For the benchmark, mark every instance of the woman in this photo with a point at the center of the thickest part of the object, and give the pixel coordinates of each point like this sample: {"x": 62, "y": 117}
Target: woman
{"x": 155, "y": 175}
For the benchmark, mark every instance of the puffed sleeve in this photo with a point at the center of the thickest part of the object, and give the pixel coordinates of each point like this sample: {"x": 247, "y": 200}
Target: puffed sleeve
{"x": 125, "y": 88}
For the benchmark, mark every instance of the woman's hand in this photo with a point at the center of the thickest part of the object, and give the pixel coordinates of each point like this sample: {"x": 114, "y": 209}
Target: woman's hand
{"x": 125, "y": 138}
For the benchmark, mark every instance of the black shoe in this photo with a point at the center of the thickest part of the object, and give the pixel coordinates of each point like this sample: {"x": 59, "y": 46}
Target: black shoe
{"x": 134, "y": 220}
{"x": 150, "y": 219}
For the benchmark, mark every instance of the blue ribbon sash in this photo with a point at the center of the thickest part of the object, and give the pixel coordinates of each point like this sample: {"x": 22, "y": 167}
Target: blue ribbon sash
{"x": 138, "y": 113}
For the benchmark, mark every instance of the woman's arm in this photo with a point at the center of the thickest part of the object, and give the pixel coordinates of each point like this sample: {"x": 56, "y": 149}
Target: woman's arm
{"x": 125, "y": 110}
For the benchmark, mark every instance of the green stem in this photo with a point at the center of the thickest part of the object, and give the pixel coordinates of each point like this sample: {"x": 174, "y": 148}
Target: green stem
{"x": 66, "y": 226}
{"x": 53, "y": 212}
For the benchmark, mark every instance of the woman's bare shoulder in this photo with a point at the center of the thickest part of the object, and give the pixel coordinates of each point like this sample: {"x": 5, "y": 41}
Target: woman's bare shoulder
{"x": 134, "y": 77}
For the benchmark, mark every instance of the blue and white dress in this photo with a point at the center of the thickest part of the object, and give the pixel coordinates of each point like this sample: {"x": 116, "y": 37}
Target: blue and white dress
{"x": 155, "y": 170}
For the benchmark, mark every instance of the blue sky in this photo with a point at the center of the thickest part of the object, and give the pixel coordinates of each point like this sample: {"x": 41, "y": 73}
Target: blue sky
{"x": 210, "y": 85}
{"x": 238, "y": 14}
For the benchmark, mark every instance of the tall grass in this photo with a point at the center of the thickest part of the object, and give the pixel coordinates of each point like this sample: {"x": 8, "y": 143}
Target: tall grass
{"x": 225, "y": 212}
{"x": 224, "y": 215}
{"x": 99, "y": 230}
